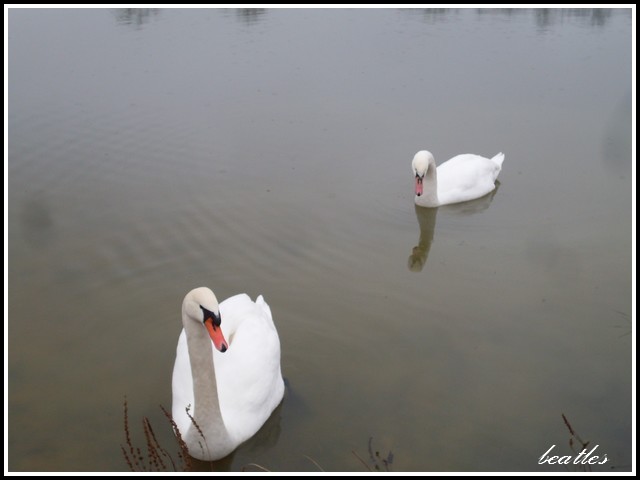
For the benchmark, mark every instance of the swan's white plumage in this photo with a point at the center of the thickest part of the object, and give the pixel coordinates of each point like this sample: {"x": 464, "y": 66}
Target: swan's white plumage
{"x": 460, "y": 179}
{"x": 248, "y": 376}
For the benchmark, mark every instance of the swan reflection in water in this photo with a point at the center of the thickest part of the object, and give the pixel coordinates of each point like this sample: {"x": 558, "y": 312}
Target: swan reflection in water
{"x": 427, "y": 222}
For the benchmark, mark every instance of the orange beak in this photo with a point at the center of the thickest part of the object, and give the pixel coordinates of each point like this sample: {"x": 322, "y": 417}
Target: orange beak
{"x": 418, "y": 185}
{"x": 215, "y": 332}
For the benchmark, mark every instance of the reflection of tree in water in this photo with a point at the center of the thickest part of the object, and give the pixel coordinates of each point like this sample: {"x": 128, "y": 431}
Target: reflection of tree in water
{"x": 135, "y": 16}
{"x": 544, "y": 17}
{"x": 595, "y": 17}
{"x": 435, "y": 15}
{"x": 250, "y": 16}
{"x": 618, "y": 137}
{"x": 37, "y": 221}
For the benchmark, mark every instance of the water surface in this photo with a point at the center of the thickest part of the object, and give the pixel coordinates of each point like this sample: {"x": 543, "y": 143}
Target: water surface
{"x": 268, "y": 152}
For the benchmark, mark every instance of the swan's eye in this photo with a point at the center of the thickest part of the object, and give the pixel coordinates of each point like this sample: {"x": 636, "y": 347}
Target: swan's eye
{"x": 208, "y": 314}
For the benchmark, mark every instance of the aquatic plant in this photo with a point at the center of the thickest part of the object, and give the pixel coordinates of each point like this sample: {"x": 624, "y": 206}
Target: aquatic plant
{"x": 156, "y": 457}
{"x": 377, "y": 462}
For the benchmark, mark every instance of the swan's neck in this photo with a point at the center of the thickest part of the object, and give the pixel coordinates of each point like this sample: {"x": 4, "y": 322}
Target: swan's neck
{"x": 206, "y": 411}
{"x": 429, "y": 197}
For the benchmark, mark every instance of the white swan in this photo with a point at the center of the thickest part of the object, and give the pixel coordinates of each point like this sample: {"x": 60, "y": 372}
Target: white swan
{"x": 464, "y": 177}
{"x": 230, "y": 391}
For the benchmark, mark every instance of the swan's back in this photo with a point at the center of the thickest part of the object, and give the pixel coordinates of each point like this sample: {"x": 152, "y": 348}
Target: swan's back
{"x": 248, "y": 375}
{"x": 467, "y": 177}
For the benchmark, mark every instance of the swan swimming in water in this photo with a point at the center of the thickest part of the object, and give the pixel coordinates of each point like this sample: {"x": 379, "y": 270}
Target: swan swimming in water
{"x": 229, "y": 391}
{"x": 460, "y": 179}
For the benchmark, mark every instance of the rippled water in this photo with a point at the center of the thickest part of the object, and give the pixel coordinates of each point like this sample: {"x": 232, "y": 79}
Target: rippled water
{"x": 268, "y": 152}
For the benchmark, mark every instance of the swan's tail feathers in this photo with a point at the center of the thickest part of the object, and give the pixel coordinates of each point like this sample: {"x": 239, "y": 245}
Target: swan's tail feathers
{"x": 264, "y": 306}
{"x": 498, "y": 159}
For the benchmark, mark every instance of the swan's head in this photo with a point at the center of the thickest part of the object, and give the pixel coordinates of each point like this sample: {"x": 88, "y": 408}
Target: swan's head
{"x": 201, "y": 306}
{"x": 420, "y": 166}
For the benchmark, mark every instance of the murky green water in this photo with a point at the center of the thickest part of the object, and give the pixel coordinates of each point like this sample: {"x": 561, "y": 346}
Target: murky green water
{"x": 268, "y": 152}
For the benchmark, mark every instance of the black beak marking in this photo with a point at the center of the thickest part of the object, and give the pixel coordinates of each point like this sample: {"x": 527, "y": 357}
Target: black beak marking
{"x": 208, "y": 314}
